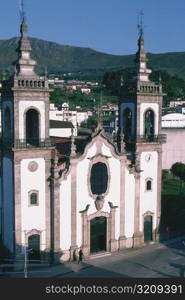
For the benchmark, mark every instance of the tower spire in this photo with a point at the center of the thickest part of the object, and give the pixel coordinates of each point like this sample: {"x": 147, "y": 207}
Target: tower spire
{"x": 23, "y": 29}
{"x": 141, "y": 59}
{"x": 140, "y": 55}
{"x": 73, "y": 146}
{"x": 25, "y": 65}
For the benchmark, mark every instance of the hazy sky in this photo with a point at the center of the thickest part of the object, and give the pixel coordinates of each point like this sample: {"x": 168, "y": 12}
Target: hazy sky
{"x": 105, "y": 25}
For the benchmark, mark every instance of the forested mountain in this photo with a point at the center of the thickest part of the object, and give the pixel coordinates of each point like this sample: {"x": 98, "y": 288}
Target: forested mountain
{"x": 61, "y": 58}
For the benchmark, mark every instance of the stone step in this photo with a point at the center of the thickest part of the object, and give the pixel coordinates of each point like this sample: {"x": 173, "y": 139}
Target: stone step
{"x": 99, "y": 254}
{"x": 38, "y": 265}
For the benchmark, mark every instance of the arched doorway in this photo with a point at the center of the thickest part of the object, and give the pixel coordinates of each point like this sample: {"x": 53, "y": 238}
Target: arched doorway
{"x": 148, "y": 229}
{"x": 98, "y": 234}
{"x": 32, "y": 127}
{"x": 127, "y": 123}
{"x": 34, "y": 247}
{"x": 149, "y": 124}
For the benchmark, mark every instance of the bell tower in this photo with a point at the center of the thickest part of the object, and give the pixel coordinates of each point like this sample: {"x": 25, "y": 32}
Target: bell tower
{"x": 26, "y": 155}
{"x": 140, "y": 122}
{"x": 149, "y": 98}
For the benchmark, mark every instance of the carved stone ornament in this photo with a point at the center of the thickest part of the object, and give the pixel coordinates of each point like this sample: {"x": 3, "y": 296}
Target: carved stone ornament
{"x": 33, "y": 166}
{"x": 99, "y": 202}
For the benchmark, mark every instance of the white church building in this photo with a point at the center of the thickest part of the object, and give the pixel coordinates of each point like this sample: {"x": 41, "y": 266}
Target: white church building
{"x": 102, "y": 197}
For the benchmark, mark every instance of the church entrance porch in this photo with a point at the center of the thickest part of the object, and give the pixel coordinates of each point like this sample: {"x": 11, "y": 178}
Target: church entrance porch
{"x": 98, "y": 235}
{"x": 98, "y": 231}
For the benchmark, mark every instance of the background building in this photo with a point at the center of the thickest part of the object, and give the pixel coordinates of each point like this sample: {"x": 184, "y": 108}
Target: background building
{"x": 173, "y": 125}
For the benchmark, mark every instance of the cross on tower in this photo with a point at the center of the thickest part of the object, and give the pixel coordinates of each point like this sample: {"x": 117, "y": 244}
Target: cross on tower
{"x": 22, "y": 11}
{"x": 140, "y": 23}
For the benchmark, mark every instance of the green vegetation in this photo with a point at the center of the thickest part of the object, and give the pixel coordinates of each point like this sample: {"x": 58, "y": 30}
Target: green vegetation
{"x": 173, "y": 202}
{"x": 173, "y": 86}
{"x": 85, "y": 62}
{"x": 4, "y": 74}
{"x": 85, "y": 101}
{"x": 165, "y": 175}
{"x": 174, "y": 187}
{"x": 178, "y": 169}
{"x": 90, "y": 123}
{"x": 173, "y": 213}
{"x": 121, "y": 83}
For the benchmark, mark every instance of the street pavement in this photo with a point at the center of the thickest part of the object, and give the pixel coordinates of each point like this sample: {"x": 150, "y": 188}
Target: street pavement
{"x": 158, "y": 260}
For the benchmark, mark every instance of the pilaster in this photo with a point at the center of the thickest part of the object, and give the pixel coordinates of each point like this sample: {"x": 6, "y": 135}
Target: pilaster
{"x": 159, "y": 179}
{"x": 137, "y": 236}
{"x": 17, "y": 207}
{"x": 57, "y": 217}
{"x": 48, "y": 205}
{"x": 73, "y": 210}
{"x": 122, "y": 238}
{"x": 85, "y": 232}
{"x": 113, "y": 241}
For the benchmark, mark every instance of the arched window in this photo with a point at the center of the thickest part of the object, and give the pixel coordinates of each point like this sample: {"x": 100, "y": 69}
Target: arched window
{"x": 127, "y": 122}
{"x": 33, "y": 198}
{"x": 32, "y": 127}
{"x": 7, "y": 132}
{"x": 99, "y": 178}
{"x": 148, "y": 184}
{"x": 149, "y": 124}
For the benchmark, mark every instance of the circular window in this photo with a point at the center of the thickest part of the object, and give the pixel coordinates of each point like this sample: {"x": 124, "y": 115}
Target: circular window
{"x": 33, "y": 166}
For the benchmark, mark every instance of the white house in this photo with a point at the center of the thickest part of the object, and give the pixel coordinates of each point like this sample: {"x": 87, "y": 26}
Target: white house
{"x": 173, "y": 126}
{"x": 61, "y": 129}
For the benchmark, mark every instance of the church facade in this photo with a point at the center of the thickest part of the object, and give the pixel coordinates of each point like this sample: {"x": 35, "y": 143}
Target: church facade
{"x": 102, "y": 199}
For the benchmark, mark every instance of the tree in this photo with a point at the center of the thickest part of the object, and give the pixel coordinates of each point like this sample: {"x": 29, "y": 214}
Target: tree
{"x": 56, "y": 96}
{"x": 165, "y": 175}
{"x": 178, "y": 169}
{"x": 91, "y": 122}
{"x": 122, "y": 83}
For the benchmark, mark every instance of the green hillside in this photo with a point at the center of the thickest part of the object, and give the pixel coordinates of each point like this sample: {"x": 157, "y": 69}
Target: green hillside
{"x": 60, "y": 59}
